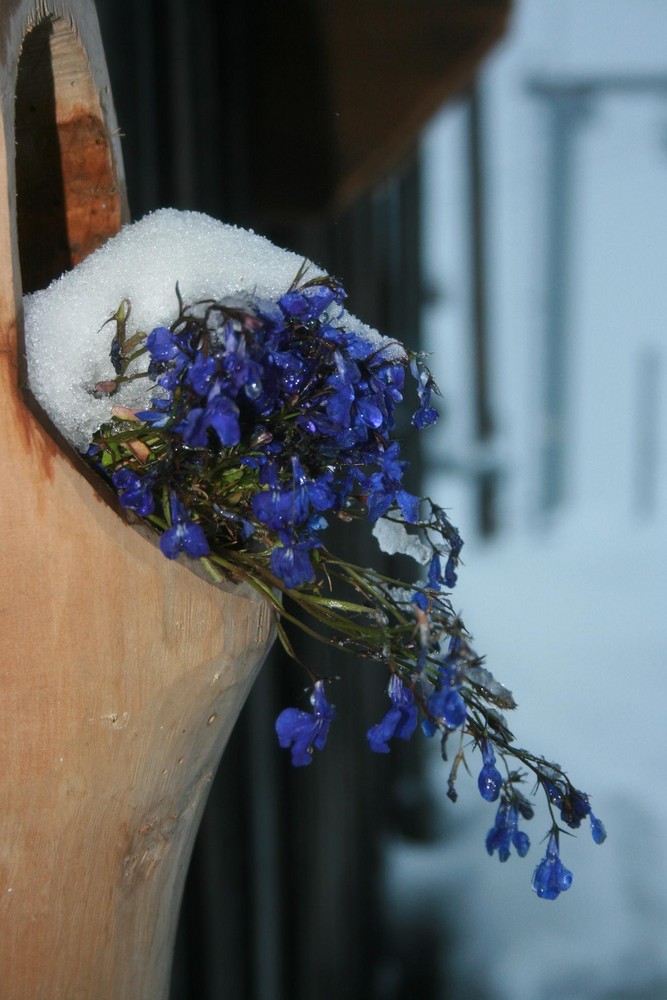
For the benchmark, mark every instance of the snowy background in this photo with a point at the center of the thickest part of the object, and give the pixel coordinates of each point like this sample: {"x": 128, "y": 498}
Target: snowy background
{"x": 569, "y": 598}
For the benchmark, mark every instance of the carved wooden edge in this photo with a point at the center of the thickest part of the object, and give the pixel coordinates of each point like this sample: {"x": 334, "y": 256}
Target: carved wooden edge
{"x": 76, "y": 105}
{"x": 122, "y": 674}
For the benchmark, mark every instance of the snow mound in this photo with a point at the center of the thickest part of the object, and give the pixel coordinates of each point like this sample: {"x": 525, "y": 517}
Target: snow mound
{"x": 67, "y": 336}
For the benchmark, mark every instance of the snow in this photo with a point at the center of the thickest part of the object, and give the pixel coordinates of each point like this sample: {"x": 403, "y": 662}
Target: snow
{"x": 67, "y": 341}
{"x": 394, "y": 539}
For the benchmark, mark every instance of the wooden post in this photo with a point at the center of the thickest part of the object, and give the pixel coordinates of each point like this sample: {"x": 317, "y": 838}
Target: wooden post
{"x": 121, "y": 673}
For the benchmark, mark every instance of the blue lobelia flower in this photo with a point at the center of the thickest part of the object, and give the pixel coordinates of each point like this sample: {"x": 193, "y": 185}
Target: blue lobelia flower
{"x": 292, "y": 371}
{"x": 551, "y": 877}
{"x": 391, "y": 378}
{"x": 310, "y": 302}
{"x": 490, "y": 779}
{"x": 447, "y": 702}
{"x": 385, "y": 488}
{"x": 184, "y": 535}
{"x": 291, "y": 563}
{"x": 284, "y": 508}
{"x": 426, "y": 414}
{"x": 400, "y": 721}
{"x": 421, "y": 600}
{"x": 168, "y": 350}
{"x": 281, "y": 508}
{"x": 135, "y": 491}
{"x": 201, "y": 372}
{"x": 574, "y": 807}
{"x": 221, "y": 414}
{"x": 450, "y": 577}
{"x": 304, "y": 732}
{"x": 434, "y": 573}
{"x": 505, "y": 832}
{"x": 598, "y": 831}
{"x": 160, "y": 413}
{"x": 162, "y": 344}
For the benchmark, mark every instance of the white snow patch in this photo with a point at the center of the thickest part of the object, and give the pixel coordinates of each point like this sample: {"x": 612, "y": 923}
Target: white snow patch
{"x": 67, "y": 341}
{"x": 394, "y": 539}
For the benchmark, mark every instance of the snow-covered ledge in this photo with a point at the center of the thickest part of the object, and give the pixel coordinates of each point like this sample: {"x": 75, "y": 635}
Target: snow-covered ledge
{"x": 122, "y": 672}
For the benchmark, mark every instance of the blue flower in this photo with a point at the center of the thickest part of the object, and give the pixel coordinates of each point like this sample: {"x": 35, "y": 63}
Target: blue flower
{"x": 221, "y": 414}
{"x": 281, "y": 508}
{"x": 450, "y": 577}
{"x": 400, "y": 721}
{"x": 184, "y": 535}
{"x": 162, "y": 344}
{"x": 293, "y": 371}
{"x": 434, "y": 573}
{"x": 598, "y": 831}
{"x": 291, "y": 564}
{"x": 574, "y": 807}
{"x": 447, "y": 702}
{"x": 385, "y": 488}
{"x": 551, "y": 877}
{"x": 135, "y": 491}
{"x": 490, "y": 779}
{"x": 303, "y": 732}
{"x": 309, "y": 302}
{"x": 160, "y": 413}
{"x": 392, "y": 379}
{"x": 426, "y": 414}
{"x": 505, "y": 832}
{"x": 421, "y": 600}
{"x": 170, "y": 355}
{"x": 201, "y": 372}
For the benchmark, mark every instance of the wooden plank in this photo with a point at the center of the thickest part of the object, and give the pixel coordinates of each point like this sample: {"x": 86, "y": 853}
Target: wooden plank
{"x": 122, "y": 673}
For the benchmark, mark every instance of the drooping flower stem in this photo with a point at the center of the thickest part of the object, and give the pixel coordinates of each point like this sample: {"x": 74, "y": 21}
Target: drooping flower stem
{"x": 265, "y": 422}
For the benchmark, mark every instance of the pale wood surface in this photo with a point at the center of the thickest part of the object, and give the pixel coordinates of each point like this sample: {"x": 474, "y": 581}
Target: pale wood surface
{"x": 121, "y": 673}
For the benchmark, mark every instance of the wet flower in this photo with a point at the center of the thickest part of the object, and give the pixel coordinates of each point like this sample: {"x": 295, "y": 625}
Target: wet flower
{"x": 162, "y": 345}
{"x": 450, "y": 577}
{"x": 385, "y": 488}
{"x": 183, "y": 535}
{"x": 309, "y": 303}
{"x": 505, "y": 832}
{"x": 446, "y": 703}
{"x": 304, "y": 732}
{"x": 135, "y": 491}
{"x": 573, "y": 808}
{"x": 598, "y": 831}
{"x": 221, "y": 414}
{"x": 551, "y": 877}
{"x": 434, "y": 577}
{"x": 269, "y": 419}
{"x": 426, "y": 414}
{"x": 490, "y": 779}
{"x": 400, "y": 721}
{"x": 291, "y": 563}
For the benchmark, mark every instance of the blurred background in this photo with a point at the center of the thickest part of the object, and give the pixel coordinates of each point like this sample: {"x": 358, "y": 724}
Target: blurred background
{"x": 489, "y": 181}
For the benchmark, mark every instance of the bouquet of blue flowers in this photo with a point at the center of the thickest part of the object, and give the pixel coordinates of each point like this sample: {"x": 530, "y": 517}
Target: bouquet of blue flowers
{"x": 266, "y": 421}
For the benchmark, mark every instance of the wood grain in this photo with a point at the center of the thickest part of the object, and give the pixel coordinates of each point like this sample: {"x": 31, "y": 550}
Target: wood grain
{"x": 122, "y": 674}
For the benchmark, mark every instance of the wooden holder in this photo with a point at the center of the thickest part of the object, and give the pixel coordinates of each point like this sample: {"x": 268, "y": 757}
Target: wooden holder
{"x": 122, "y": 673}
